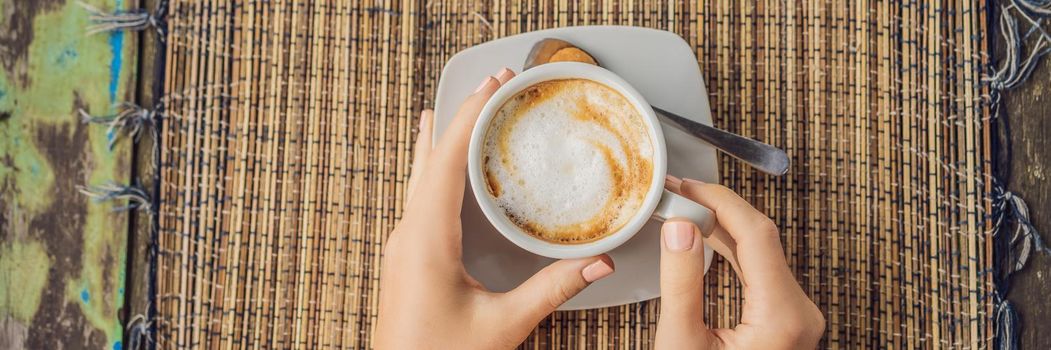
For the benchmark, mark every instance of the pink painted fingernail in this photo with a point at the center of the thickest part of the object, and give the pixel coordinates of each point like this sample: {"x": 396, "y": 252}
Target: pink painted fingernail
{"x": 678, "y": 236}
{"x": 673, "y": 181}
{"x": 425, "y": 119}
{"x": 484, "y": 84}
{"x": 695, "y": 181}
{"x": 504, "y": 74}
{"x": 596, "y": 271}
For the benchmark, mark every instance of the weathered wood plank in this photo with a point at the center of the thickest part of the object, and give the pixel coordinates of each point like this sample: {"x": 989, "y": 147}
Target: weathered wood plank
{"x": 1023, "y": 161}
{"x": 61, "y": 255}
{"x": 149, "y": 72}
{"x": 1026, "y": 166}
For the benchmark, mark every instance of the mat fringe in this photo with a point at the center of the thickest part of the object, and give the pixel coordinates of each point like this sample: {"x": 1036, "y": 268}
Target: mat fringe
{"x": 140, "y": 333}
{"x": 130, "y": 119}
{"x": 136, "y": 197}
{"x": 1015, "y": 69}
{"x": 135, "y": 19}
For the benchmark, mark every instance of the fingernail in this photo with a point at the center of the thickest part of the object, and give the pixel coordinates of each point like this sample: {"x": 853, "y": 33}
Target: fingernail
{"x": 596, "y": 271}
{"x": 484, "y": 84}
{"x": 699, "y": 182}
{"x": 673, "y": 181}
{"x": 425, "y": 118}
{"x": 504, "y": 73}
{"x": 678, "y": 236}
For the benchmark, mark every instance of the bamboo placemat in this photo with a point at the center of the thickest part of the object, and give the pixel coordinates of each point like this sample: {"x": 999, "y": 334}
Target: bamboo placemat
{"x": 289, "y": 127}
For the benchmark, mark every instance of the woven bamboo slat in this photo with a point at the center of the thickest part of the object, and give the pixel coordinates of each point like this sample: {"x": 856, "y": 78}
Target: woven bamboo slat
{"x": 287, "y": 146}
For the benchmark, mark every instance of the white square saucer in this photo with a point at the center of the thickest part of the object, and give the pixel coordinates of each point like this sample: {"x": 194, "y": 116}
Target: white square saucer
{"x": 661, "y": 66}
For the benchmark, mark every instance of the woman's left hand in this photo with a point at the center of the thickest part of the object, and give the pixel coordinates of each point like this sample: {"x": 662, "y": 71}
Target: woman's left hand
{"x": 427, "y": 299}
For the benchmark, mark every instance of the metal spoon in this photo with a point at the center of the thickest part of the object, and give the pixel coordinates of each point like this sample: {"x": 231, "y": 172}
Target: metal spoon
{"x": 766, "y": 158}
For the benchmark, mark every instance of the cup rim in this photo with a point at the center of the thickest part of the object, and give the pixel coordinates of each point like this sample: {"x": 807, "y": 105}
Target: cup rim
{"x": 496, "y": 216}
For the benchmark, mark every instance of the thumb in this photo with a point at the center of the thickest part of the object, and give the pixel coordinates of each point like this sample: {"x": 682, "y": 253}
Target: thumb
{"x": 554, "y": 285}
{"x": 682, "y": 275}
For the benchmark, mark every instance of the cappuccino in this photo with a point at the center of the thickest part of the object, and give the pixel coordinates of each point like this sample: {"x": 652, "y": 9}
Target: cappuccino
{"x": 569, "y": 161}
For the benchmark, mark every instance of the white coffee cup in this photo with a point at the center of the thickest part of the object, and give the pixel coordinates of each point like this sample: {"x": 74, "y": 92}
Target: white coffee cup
{"x": 658, "y": 204}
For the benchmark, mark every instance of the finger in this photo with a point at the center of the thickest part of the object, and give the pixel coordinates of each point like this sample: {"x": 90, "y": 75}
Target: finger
{"x": 761, "y": 258}
{"x": 672, "y": 183}
{"x": 422, "y": 150}
{"x": 504, "y": 75}
{"x": 554, "y": 285}
{"x": 682, "y": 274}
{"x": 681, "y": 323}
{"x": 719, "y": 239}
{"x": 444, "y": 184}
{"x": 723, "y": 244}
{"x": 452, "y": 148}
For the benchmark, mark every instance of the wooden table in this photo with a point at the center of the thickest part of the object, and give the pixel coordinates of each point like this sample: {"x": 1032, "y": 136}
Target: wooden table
{"x": 62, "y": 257}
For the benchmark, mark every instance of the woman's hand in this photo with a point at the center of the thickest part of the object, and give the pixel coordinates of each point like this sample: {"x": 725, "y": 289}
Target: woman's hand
{"x": 427, "y": 299}
{"x": 776, "y": 313}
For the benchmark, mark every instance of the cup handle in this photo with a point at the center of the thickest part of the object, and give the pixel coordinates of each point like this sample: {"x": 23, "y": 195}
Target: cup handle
{"x": 673, "y": 205}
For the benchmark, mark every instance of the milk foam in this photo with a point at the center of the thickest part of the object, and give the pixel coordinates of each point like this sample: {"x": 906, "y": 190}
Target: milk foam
{"x": 568, "y": 160}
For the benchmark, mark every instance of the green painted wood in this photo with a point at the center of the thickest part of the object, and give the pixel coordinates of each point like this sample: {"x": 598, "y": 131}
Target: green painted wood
{"x": 62, "y": 256}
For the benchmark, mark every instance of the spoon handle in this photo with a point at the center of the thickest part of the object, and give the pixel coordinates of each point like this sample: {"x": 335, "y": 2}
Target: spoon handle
{"x": 766, "y": 158}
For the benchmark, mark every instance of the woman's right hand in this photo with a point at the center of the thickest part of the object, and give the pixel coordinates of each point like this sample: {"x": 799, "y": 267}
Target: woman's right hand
{"x": 777, "y": 314}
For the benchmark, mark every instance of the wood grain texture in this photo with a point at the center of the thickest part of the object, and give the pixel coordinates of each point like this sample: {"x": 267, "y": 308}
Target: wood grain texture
{"x": 1025, "y": 165}
{"x": 140, "y": 275}
{"x": 62, "y": 256}
{"x": 289, "y": 142}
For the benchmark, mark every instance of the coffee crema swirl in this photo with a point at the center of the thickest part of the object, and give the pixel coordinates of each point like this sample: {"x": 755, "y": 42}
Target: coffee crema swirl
{"x": 569, "y": 161}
